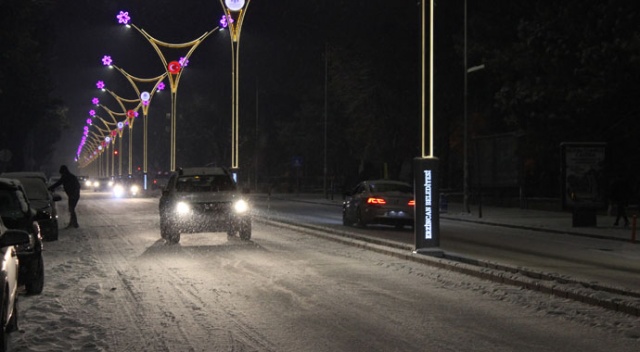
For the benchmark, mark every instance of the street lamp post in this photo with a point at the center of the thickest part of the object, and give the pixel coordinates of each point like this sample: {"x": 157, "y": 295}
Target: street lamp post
{"x": 173, "y": 69}
{"x": 426, "y": 176}
{"x": 145, "y": 100}
{"x": 235, "y": 11}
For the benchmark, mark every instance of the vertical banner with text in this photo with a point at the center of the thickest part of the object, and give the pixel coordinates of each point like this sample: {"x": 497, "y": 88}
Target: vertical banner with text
{"x": 427, "y": 209}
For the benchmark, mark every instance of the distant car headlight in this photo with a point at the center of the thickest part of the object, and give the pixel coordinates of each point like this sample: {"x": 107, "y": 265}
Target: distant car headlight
{"x": 110, "y": 184}
{"x": 96, "y": 184}
{"x": 241, "y": 206}
{"x": 183, "y": 208}
{"x": 87, "y": 183}
{"x": 134, "y": 190}
{"x": 118, "y": 191}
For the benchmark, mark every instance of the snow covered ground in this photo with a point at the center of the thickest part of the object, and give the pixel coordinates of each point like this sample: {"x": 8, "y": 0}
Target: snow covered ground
{"x": 113, "y": 285}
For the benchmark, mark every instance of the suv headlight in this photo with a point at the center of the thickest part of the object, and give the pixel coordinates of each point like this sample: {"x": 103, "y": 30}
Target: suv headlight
{"x": 134, "y": 190}
{"x": 183, "y": 208}
{"x": 241, "y": 206}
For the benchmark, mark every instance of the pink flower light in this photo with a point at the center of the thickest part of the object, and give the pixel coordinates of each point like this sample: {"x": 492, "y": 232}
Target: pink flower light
{"x": 106, "y": 60}
{"x": 92, "y": 112}
{"x": 183, "y": 62}
{"x": 95, "y": 101}
{"x": 225, "y": 21}
{"x": 100, "y": 85}
{"x": 161, "y": 86}
{"x": 123, "y": 17}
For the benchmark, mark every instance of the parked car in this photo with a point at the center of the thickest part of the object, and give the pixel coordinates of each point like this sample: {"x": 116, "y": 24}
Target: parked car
{"x": 9, "y": 268}
{"x": 384, "y": 202}
{"x": 41, "y": 199}
{"x": 18, "y": 214}
{"x": 203, "y": 200}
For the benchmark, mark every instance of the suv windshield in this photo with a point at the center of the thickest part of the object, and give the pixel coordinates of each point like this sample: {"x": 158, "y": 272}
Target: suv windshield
{"x": 204, "y": 183}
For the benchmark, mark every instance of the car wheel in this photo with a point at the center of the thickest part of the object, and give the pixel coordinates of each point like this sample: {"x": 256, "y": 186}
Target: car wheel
{"x": 12, "y": 325}
{"x": 35, "y": 283}
{"x": 53, "y": 235}
{"x": 171, "y": 235}
{"x": 245, "y": 230}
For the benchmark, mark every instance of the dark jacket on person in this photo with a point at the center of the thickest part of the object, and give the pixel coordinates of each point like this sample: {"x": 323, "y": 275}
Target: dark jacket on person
{"x": 69, "y": 182}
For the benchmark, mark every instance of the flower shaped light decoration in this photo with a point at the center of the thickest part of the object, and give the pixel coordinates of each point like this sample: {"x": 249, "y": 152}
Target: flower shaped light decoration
{"x": 225, "y": 21}
{"x": 161, "y": 86}
{"x": 107, "y": 61}
{"x": 183, "y": 61}
{"x": 89, "y": 122}
{"x": 92, "y": 113}
{"x": 100, "y": 85}
{"x": 123, "y": 18}
{"x": 95, "y": 101}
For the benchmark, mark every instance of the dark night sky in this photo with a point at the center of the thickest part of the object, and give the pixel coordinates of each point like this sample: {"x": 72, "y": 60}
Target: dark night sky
{"x": 277, "y": 36}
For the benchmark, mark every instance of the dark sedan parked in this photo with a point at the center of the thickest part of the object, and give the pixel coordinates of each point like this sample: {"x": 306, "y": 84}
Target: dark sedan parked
{"x": 41, "y": 199}
{"x": 379, "y": 202}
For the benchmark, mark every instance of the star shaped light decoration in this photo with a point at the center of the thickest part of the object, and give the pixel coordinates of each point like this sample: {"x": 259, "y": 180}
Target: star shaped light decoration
{"x": 106, "y": 60}
{"x": 123, "y": 17}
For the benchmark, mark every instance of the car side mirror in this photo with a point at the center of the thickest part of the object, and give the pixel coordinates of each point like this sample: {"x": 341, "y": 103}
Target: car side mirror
{"x": 14, "y": 238}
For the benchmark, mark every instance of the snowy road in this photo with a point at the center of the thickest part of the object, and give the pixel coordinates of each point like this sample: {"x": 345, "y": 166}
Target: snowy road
{"x": 113, "y": 285}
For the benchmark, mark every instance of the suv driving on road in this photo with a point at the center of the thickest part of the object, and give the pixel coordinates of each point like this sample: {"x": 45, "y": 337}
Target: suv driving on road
{"x": 203, "y": 200}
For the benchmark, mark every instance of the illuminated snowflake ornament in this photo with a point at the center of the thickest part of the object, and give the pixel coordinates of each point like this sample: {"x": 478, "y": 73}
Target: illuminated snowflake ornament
{"x": 106, "y": 60}
{"x": 123, "y": 17}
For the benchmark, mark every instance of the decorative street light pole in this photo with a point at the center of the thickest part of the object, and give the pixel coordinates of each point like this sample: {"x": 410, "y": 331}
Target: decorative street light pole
{"x": 426, "y": 176}
{"x": 173, "y": 68}
{"x": 145, "y": 99}
{"x": 235, "y": 11}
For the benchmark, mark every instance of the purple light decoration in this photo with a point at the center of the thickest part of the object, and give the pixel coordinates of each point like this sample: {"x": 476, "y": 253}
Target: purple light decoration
{"x": 88, "y": 123}
{"x": 123, "y": 17}
{"x": 106, "y": 60}
{"x": 183, "y": 61}
{"x": 95, "y": 101}
{"x": 145, "y": 102}
{"x": 161, "y": 86}
{"x": 92, "y": 112}
{"x": 120, "y": 125}
{"x": 225, "y": 21}
{"x": 100, "y": 85}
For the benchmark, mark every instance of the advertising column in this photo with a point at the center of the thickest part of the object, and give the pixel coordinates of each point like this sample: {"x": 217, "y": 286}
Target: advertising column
{"x": 427, "y": 193}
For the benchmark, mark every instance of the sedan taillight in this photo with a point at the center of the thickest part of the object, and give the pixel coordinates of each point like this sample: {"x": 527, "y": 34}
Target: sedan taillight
{"x": 412, "y": 203}
{"x": 376, "y": 201}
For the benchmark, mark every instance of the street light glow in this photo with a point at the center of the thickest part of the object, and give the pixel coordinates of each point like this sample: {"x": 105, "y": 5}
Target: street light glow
{"x": 234, "y": 5}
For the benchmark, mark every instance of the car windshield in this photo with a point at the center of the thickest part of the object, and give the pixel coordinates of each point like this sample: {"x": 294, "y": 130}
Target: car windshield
{"x": 204, "y": 183}
{"x": 391, "y": 187}
{"x": 12, "y": 203}
{"x": 35, "y": 188}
